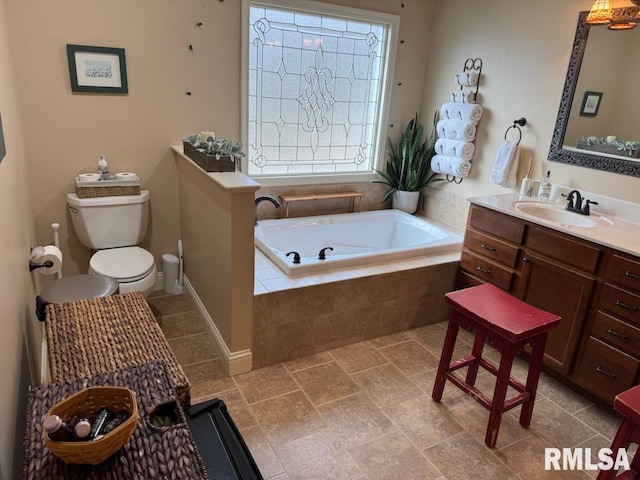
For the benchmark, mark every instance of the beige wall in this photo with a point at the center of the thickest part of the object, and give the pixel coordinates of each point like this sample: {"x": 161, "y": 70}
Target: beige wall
{"x": 16, "y": 287}
{"x": 66, "y": 131}
{"x": 525, "y": 47}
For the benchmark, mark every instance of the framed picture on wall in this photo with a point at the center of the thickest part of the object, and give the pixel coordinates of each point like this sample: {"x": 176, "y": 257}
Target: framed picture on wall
{"x": 590, "y": 104}
{"x": 97, "y": 69}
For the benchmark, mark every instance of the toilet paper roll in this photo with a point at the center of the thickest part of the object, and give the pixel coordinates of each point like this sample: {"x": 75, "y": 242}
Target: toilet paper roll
{"x": 45, "y": 254}
{"x": 126, "y": 176}
{"x": 88, "y": 177}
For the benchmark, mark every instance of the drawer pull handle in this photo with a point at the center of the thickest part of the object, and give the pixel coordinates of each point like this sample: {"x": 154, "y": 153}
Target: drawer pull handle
{"x": 632, "y": 275}
{"x": 617, "y": 334}
{"x": 601, "y": 370}
{"x": 490, "y": 248}
{"x": 628, "y": 307}
{"x": 483, "y": 270}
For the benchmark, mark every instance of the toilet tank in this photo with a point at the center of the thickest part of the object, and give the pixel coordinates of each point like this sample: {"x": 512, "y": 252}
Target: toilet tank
{"x": 109, "y": 222}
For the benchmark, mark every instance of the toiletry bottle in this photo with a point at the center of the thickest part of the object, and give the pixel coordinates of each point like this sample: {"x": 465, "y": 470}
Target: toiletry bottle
{"x": 98, "y": 423}
{"x": 526, "y": 188}
{"x": 103, "y": 168}
{"x": 58, "y": 430}
{"x": 82, "y": 429}
{"x": 544, "y": 191}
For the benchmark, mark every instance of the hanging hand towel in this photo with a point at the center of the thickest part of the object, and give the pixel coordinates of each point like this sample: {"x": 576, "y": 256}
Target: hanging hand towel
{"x": 461, "y": 96}
{"x": 454, "y": 148}
{"x": 467, "y": 79}
{"x": 505, "y": 165}
{"x": 468, "y": 112}
{"x": 456, "y": 130}
{"x": 450, "y": 166}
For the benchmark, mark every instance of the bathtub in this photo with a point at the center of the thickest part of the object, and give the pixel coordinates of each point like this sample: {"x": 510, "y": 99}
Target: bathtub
{"x": 356, "y": 238}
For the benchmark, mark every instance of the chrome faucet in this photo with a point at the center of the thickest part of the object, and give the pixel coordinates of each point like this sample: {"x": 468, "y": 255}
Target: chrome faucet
{"x": 576, "y": 205}
{"x": 259, "y": 200}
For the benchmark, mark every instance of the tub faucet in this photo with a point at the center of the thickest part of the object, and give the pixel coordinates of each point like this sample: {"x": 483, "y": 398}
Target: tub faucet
{"x": 259, "y": 200}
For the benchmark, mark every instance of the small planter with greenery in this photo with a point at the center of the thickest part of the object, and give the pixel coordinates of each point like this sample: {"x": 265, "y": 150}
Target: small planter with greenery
{"x": 408, "y": 166}
{"x": 212, "y": 154}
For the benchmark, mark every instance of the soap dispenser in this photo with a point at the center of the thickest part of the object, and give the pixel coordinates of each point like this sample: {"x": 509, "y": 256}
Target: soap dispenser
{"x": 544, "y": 191}
{"x": 103, "y": 168}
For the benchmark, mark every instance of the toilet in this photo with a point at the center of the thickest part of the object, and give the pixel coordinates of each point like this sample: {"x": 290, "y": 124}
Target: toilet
{"x": 113, "y": 226}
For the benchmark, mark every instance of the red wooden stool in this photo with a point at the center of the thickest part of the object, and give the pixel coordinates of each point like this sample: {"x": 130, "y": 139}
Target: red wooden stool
{"x": 509, "y": 324}
{"x": 628, "y": 404}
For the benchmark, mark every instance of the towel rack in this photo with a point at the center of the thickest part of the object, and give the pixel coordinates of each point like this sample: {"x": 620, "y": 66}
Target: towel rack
{"x": 470, "y": 65}
{"x": 520, "y": 122}
{"x": 473, "y": 65}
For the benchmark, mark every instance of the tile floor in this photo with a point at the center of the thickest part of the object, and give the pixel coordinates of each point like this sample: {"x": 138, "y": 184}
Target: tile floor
{"x": 364, "y": 411}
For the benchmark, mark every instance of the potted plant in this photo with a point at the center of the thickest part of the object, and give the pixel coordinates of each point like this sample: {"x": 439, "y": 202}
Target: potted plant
{"x": 408, "y": 167}
{"x": 211, "y": 153}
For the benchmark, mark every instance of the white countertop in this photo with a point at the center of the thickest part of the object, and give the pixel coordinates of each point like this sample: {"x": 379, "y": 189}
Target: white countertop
{"x": 231, "y": 181}
{"x": 623, "y": 235}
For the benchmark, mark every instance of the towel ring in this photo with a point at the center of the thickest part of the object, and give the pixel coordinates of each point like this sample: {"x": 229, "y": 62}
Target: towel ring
{"x": 521, "y": 122}
{"x": 454, "y": 179}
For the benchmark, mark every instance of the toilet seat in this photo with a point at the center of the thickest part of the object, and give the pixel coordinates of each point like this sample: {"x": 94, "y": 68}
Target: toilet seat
{"x": 125, "y": 264}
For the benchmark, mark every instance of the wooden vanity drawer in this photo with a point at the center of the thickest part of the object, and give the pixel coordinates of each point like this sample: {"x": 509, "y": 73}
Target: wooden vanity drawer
{"x": 606, "y": 371}
{"x": 486, "y": 270}
{"x": 497, "y": 224}
{"x": 567, "y": 250}
{"x": 621, "y": 303}
{"x": 624, "y": 272}
{"x": 491, "y": 247}
{"x": 619, "y": 334}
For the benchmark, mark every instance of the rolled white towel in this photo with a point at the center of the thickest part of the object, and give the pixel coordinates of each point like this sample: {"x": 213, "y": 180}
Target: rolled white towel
{"x": 505, "y": 165}
{"x": 455, "y": 148}
{"x": 461, "y": 111}
{"x": 456, "y": 130}
{"x": 467, "y": 79}
{"x": 461, "y": 96}
{"x": 450, "y": 166}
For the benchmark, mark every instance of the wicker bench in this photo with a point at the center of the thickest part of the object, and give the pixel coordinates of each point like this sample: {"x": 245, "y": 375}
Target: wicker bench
{"x": 87, "y": 337}
{"x": 152, "y": 452}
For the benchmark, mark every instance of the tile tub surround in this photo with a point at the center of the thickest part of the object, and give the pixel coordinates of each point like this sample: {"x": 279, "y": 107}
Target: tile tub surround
{"x": 301, "y": 320}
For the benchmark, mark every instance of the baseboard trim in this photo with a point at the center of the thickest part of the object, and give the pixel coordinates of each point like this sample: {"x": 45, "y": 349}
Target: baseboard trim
{"x": 234, "y": 362}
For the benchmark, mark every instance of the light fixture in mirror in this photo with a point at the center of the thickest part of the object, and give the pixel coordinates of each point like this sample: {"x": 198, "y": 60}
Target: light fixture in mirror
{"x": 600, "y": 13}
{"x": 597, "y": 126}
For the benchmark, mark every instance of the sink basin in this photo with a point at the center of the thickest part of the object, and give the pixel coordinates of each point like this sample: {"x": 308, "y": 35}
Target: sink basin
{"x": 555, "y": 213}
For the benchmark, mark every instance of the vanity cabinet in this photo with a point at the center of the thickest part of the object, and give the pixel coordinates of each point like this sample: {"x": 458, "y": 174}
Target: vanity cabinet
{"x": 610, "y": 361}
{"x": 594, "y": 288}
{"x": 547, "y": 270}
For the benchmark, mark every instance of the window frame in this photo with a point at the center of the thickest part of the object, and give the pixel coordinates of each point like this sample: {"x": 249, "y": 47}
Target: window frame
{"x": 392, "y": 23}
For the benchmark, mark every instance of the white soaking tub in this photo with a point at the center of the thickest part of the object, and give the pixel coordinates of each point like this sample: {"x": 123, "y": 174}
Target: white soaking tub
{"x": 355, "y": 239}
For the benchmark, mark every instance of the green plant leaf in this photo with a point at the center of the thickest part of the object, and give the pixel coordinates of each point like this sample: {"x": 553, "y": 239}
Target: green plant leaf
{"x": 408, "y": 165}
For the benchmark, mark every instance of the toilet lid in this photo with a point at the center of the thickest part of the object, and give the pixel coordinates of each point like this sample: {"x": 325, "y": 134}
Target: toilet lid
{"x": 125, "y": 264}
{"x": 78, "y": 287}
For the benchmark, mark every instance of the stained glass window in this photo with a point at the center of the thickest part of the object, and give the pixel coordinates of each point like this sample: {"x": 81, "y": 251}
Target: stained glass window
{"x": 315, "y": 91}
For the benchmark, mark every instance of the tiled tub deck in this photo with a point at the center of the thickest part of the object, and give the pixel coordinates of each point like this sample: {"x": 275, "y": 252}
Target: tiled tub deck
{"x": 298, "y": 316}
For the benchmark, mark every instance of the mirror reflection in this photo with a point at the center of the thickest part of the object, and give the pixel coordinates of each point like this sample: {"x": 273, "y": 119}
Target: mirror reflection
{"x": 597, "y": 123}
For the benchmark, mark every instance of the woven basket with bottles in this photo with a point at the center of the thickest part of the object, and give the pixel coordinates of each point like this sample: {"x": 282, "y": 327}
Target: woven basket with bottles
{"x": 88, "y": 403}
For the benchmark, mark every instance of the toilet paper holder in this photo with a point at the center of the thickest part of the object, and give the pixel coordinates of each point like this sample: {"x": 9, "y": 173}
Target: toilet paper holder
{"x": 33, "y": 265}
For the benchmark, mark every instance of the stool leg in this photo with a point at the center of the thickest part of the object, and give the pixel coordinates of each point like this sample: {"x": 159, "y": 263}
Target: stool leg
{"x": 499, "y": 394}
{"x": 621, "y": 440}
{"x": 445, "y": 356}
{"x": 476, "y": 352}
{"x": 533, "y": 375}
